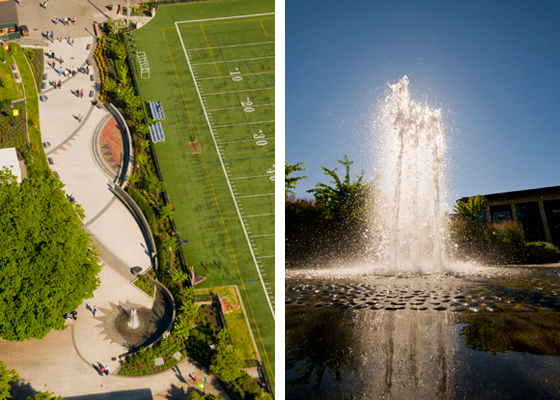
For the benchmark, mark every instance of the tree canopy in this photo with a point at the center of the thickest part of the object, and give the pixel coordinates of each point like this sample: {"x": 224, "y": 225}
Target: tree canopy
{"x": 472, "y": 208}
{"x": 291, "y": 181}
{"x": 48, "y": 264}
{"x": 226, "y": 360}
{"x": 344, "y": 200}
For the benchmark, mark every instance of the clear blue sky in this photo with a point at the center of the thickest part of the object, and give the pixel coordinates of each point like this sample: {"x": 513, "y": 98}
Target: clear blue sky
{"x": 492, "y": 66}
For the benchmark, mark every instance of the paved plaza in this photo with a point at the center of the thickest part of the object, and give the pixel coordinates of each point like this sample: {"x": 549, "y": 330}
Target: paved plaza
{"x": 78, "y": 131}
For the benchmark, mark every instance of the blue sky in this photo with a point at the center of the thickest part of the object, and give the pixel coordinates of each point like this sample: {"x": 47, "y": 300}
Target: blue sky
{"x": 492, "y": 66}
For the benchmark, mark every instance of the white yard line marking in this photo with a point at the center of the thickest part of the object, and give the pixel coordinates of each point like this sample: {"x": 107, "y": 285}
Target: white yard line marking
{"x": 227, "y": 76}
{"x": 259, "y": 215}
{"x": 222, "y": 161}
{"x": 250, "y": 177}
{"x": 244, "y": 123}
{"x": 235, "y": 91}
{"x": 230, "y": 61}
{"x": 266, "y": 256}
{"x": 243, "y": 141}
{"x": 256, "y": 195}
{"x": 233, "y": 45}
{"x": 270, "y": 234}
{"x": 238, "y": 107}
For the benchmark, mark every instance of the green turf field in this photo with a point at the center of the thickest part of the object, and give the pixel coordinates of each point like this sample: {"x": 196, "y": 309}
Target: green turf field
{"x": 211, "y": 65}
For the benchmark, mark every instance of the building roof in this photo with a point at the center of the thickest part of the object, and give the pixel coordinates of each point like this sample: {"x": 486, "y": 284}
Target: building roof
{"x": 8, "y": 12}
{"x": 8, "y": 159}
{"x": 523, "y": 195}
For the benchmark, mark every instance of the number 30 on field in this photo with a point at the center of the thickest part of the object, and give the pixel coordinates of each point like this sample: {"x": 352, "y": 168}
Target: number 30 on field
{"x": 259, "y": 136}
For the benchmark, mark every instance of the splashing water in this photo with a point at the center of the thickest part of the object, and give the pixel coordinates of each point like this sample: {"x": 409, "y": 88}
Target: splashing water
{"x": 412, "y": 163}
{"x": 133, "y": 322}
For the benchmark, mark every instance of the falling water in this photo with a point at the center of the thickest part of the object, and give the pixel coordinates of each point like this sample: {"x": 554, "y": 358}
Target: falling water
{"x": 133, "y": 322}
{"x": 414, "y": 148}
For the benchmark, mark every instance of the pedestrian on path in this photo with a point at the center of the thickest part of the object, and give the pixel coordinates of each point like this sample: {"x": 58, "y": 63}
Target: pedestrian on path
{"x": 73, "y": 20}
{"x": 87, "y": 69}
{"x": 101, "y": 370}
{"x": 107, "y": 370}
{"x": 59, "y": 84}
{"x": 60, "y": 60}
{"x": 52, "y": 39}
{"x": 81, "y": 93}
{"x": 56, "y": 21}
{"x": 94, "y": 309}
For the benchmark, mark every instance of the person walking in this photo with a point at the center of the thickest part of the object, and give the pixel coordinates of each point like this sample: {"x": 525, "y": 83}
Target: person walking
{"x": 101, "y": 370}
{"x": 94, "y": 309}
{"x": 81, "y": 93}
{"x": 60, "y": 60}
{"x": 107, "y": 370}
{"x": 59, "y": 84}
{"x": 56, "y": 20}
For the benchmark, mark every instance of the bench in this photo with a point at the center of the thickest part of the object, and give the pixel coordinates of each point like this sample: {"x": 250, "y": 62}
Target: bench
{"x": 156, "y": 132}
{"x": 156, "y": 110}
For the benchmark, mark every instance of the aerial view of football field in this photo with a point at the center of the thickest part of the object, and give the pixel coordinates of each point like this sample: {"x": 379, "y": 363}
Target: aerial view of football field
{"x": 211, "y": 66}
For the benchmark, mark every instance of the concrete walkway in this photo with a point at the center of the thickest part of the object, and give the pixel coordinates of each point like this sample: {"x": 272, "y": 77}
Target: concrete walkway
{"x": 64, "y": 361}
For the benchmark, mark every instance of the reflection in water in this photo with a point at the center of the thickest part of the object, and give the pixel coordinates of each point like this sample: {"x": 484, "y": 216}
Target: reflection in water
{"x": 342, "y": 350}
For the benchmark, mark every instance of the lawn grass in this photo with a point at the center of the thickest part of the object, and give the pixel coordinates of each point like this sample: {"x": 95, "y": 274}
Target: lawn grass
{"x": 206, "y": 211}
{"x": 39, "y": 157}
{"x": 16, "y": 91}
{"x": 236, "y": 322}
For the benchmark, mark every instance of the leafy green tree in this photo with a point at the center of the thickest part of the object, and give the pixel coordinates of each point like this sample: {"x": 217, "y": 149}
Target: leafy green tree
{"x": 226, "y": 362}
{"x": 222, "y": 338}
{"x": 6, "y": 376}
{"x": 48, "y": 264}
{"x": 110, "y": 85}
{"x": 472, "y": 208}
{"x": 167, "y": 212}
{"x": 188, "y": 291}
{"x": 195, "y": 395}
{"x": 344, "y": 200}
{"x": 141, "y": 159}
{"x": 183, "y": 327}
{"x": 133, "y": 178}
{"x": 144, "y": 144}
{"x": 291, "y": 182}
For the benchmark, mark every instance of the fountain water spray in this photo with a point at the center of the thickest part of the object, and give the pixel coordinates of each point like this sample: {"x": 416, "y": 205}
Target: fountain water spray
{"x": 414, "y": 148}
{"x": 133, "y": 322}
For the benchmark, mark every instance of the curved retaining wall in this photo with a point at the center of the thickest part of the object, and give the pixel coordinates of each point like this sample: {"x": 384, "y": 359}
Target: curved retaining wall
{"x": 141, "y": 219}
{"x": 171, "y": 300}
{"x": 126, "y": 159}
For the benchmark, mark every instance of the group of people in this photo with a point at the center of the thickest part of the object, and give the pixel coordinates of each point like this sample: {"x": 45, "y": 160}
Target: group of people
{"x": 80, "y": 93}
{"x": 104, "y": 370}
{"x": 65, "y": 21}
{"x": 73, "y": 315}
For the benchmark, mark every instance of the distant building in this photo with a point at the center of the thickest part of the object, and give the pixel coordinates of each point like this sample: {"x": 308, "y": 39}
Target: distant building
{"x": 8, "y": 159}
{"x": 537, "y": 211}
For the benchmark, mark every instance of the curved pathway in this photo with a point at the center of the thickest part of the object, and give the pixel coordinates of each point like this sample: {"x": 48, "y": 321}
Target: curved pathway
{"x": 86, "y": 156}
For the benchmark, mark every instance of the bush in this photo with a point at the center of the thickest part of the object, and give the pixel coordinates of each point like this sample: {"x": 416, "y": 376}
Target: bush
{"x": 544, "y": 245}
{"x": 6, "y": 82}
{"x": 14, "y": 48}
{"x": 144, "y": 206}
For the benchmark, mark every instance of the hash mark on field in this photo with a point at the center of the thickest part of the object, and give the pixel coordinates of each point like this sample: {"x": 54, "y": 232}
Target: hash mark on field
{"x": 270, "y": 234}
{"x": 259, "y": 215}
{"x": 266, "y": 256}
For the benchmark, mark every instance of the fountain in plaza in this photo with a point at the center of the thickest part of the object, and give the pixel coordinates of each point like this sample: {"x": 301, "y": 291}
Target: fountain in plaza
{"x": 411, "y": 322}
{"x": 133, "y": 321}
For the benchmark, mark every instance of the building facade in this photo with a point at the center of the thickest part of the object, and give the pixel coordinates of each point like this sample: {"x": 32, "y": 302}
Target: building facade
{"x": 537, "y": 211}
